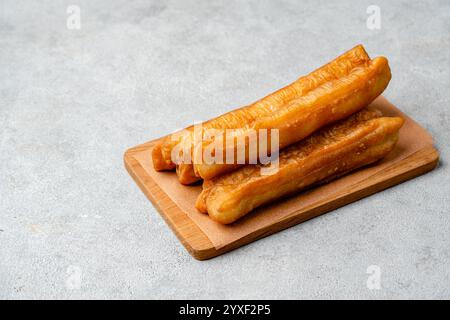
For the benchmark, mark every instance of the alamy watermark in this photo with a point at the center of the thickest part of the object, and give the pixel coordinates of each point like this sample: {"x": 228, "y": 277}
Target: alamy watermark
{"x": 373, "y": 22}
{"x": 374, "y": 280}
{"x": 73, "y": 21}
{"x": 73, "y": 281}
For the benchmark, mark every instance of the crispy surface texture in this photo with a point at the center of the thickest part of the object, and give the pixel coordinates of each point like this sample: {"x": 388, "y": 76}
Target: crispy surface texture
{"x": 325, "y": 104}
{"x": 330, "y": 93}
{"x": 361, "y": 139}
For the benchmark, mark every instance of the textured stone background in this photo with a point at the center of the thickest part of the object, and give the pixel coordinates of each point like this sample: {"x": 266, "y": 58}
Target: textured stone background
{"x": 74, "y": 225}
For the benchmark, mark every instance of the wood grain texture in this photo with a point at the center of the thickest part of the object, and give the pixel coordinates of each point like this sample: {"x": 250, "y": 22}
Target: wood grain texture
{"x": 201, "y": 248}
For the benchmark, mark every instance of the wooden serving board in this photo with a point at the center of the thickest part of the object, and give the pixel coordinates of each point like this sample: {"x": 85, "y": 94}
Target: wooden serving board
{"x": 201, "y": 247}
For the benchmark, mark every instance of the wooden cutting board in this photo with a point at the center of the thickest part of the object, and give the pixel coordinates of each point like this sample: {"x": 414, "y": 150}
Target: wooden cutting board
{"x": 201, "y": 247}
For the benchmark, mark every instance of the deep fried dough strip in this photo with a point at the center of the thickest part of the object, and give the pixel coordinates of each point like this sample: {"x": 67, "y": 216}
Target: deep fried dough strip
{"x": 327, "y": 103}
{"x": 352, "y": 143}
{"x": 246, "y": 117}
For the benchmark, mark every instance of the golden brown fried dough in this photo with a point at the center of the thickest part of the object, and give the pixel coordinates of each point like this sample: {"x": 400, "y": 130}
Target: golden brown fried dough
{"x": 333, "y": 151}
{"x": 160, "y": 163}
{"x": 327, "y": 103}
{"x": 329, "y": 93}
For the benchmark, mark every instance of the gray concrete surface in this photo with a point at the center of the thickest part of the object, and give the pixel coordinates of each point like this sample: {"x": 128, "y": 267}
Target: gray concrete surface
{"x": 74, "y": 225}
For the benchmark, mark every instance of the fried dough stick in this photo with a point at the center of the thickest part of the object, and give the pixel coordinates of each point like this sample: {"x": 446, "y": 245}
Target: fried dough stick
{"x": 333, "y": 151}
{"x": 327, "y": 103}
{"x": 353, "y": 66}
